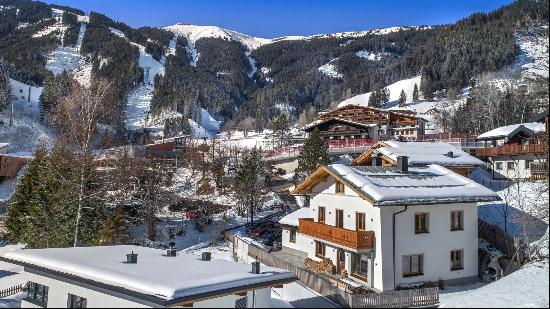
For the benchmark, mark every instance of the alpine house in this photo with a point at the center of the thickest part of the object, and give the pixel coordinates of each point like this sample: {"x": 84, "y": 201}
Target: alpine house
{"x": 389, "y": 227}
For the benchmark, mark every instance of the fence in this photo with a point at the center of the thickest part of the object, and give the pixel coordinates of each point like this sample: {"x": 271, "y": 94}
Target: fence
{"x": 11, "y": 291}
{"x": 511, "y": 246}
{"x": 424, "y": 297}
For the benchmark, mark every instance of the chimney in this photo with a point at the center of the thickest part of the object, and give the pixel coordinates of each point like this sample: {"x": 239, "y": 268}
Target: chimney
{"x": 171, "y": 251}
{"x": 206, "y": 256}
{"x": 403, "y": 163}
{"x": 256, "y": 268}
{"x": 377, "y": 160}
{"x": 131, "y": 258}
{"x": 450, "y": 154}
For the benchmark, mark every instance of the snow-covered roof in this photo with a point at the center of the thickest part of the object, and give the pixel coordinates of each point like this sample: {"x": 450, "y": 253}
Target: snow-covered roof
{"x": 320, "y": 121}
{"x": 184, "y": 277}
{"x": 4, "y": 145}
{"x": 432, "y": 184}
{"x": 424, "y": 153}
{"x": 511, "y": 130}
{"x": 292, "y": 218}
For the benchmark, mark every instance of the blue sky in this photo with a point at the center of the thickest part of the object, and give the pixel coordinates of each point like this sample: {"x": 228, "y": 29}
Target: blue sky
{"x": 274, "y": 18}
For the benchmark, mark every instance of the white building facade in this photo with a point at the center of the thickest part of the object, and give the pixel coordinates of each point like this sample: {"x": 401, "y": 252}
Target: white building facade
{"x": 386, "y": 242}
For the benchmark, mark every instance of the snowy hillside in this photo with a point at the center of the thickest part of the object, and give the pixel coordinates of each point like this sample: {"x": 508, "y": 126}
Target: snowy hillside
{"x": 395, "y": 90}
{"x": 533, "y": 60}
{"x": 329, "y": 69}
{"x": 67, "y": 58}
{"x": 27, "y": 130}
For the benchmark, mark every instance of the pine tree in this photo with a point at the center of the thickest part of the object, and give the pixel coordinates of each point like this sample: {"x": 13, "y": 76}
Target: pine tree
{"x": 415, "y": 93}
{"x": 375, "y": 96}
{"x": 280, "y": 127}
{"x": 402, "y": 98}
{"x": 313, "y": 155}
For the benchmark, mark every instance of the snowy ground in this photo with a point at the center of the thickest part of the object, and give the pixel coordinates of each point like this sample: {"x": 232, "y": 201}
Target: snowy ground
{"x": 525, "y": 288}
{"x": 533, "y": 60}
{"x": 329, "y": 69}
{"x": 395, "y": 90}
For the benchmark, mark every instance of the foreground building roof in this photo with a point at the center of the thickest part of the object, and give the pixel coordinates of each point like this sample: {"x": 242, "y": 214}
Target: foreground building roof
{"x": 174, "y": 279}
{"x": 389, "y": 186}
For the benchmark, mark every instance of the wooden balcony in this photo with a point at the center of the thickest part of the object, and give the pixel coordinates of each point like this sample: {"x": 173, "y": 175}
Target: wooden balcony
{"x": 511, "y": 150}
{"x": 539, "y": 170}
{"x": 357, "y": 240}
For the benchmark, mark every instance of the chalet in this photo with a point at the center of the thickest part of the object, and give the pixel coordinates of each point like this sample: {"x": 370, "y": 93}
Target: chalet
{"x": 419, "y": 153}
{"x": 517, "y": 151}
{"x": 132, "y": 277}
{"x": 360, "y": 122}
{"x": 389, "y": 227}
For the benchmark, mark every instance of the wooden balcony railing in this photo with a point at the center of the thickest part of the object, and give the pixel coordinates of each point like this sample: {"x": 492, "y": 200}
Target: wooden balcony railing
{"x": 539, "y": 170}
{"x": 511, "y": 149}
{"x": 351, "y": 239}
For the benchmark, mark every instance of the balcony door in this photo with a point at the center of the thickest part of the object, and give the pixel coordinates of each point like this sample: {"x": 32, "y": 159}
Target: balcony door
{"x": 340, "y": 260}
{"x": 339, "y": 218}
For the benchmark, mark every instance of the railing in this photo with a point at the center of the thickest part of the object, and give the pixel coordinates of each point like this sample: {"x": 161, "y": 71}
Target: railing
{"x": 539, "y": 170}
{"x": 510, "y": 149}
{"x": 11, "y": 291}
{"x": 349, "y": 143}
{"x": 424, "y": 297}
{"x": 347, "y": 238}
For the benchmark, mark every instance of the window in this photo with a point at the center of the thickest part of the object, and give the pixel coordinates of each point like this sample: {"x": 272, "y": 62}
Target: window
{"x": 528, "y": 164}
{"x": 340, "y": 188}
{"x": 76, "y": 302}
{"x": 292, "y": 237}
{"x": 37, "y": 294}
{"x": 359, "y": 221}
{"x": 421, "y": 223}
{"x": 457, "y": 219}
{"x": 361, "y": 270}
{"x": 511, "y": 166}
{"x": 339, "y": 218}
{"x": 456, "y": 260}
{"x": 319, "y": 249}
{"x": 321, "y": 215}
{"x": 413, "y": 265}
{"x": 498, "y": 166}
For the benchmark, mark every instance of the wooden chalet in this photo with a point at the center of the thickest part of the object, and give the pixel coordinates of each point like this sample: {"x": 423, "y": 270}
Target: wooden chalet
{"x": 361, "y": 122}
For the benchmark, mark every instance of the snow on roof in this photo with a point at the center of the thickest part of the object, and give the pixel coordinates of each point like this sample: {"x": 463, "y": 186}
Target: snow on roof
{"x": 424, "y": 153}
{"x": 292, "y": 218}
{"x": 432, "y": 184}
{"x": 320, "y": 121}
{"x": 4, "y": 145}
{"x": 507, "y": 131}
{"x": 168, "y": 278}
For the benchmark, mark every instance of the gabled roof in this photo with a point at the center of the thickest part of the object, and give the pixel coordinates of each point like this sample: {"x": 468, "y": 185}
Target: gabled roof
{"x": 420, "y": 153}
{"x": 538, "y": 117}
{"x": 509, "y": 131}
{"x": 155, "y": 278}
{"x": 388, "y": 186}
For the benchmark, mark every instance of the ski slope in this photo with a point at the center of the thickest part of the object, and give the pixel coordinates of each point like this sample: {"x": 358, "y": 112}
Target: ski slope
{"x": 67, "y": 58}
{"x": 139, "y": 99}
{"x": 395, "y": 90}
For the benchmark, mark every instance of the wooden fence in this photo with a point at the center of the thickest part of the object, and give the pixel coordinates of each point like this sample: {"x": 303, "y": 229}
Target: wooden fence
{"x": 11, "y": 291}
{"x": 511, "y": 246}
{"x": 423, "y": 297}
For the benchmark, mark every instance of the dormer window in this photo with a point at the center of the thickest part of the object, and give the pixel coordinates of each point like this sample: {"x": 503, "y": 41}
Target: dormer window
{"x": 340, "y": 188}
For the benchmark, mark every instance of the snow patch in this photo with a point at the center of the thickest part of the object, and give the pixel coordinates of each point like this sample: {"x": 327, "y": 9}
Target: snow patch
{"x": 371, "y": 56}
{"x": 395, "y": 90}
{"x": 329, "y": 69}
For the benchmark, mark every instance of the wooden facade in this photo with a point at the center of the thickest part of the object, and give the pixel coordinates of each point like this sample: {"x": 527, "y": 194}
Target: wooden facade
{"x": 355, "y": 121}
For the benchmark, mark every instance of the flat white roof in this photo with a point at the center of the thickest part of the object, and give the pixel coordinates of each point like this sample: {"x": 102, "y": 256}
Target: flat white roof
{"x": 432, "y": 184}
{"x": 505, "y": 131}
{"x": 155, "y": 274}
{"x": 424, "y": 153}
{"x": 292, "y": 218}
